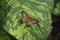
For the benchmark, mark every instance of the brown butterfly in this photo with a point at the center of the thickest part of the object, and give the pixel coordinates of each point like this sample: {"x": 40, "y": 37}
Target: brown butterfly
{"x": 27, "y": 19}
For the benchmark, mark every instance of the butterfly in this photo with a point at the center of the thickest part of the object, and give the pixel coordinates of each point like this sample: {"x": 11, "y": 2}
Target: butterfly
{"x": 27, "y": 19}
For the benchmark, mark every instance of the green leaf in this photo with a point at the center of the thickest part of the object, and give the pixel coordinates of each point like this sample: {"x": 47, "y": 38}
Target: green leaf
{"x": 57, "y": 9}
{"x": 37, "y": 9}
{"x": 3, "y": 35}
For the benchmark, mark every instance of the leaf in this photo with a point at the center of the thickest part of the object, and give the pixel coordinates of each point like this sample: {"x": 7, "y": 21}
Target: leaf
{"x": 3, "y": 35}
{"x": 37, "y": 9}
{"x": 57, "y": 9}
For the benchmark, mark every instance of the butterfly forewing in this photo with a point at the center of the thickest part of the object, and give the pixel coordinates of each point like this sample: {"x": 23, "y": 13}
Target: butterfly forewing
{"x": 27, "y": 19}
